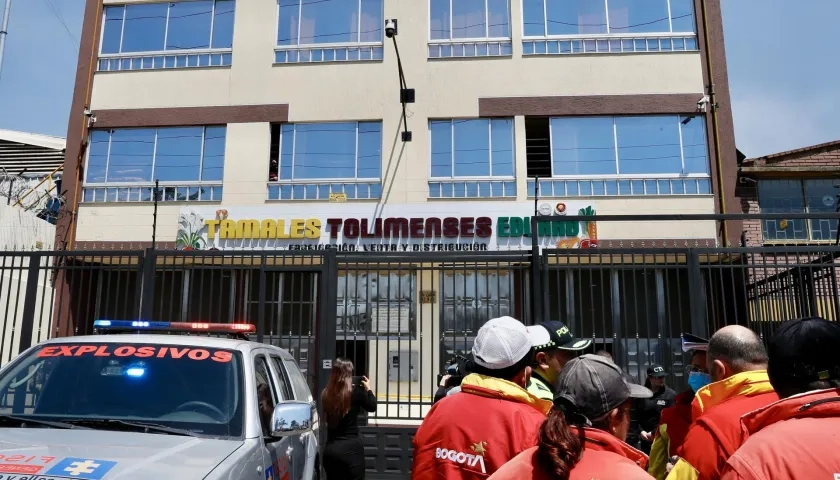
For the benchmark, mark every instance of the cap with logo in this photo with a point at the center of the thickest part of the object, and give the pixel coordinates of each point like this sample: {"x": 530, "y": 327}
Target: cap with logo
{"x": 805, "y": 349}
{"x": 589, "y": 387}
{"x": 554, "y": 334}
{"x": 657, "y": 371}
{"x": 501, "y": 343}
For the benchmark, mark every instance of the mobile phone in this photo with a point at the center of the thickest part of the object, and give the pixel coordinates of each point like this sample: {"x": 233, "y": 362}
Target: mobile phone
{"x": 357, "y": 380}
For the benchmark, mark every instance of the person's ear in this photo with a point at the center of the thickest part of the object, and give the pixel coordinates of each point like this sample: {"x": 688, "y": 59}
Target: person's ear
{"x": 719, "y": 371}
{"x": 541, "y": 359}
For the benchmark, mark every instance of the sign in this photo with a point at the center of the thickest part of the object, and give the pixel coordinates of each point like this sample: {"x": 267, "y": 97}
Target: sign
{"x": 428, "y": 296}
{"x": 338, "y": 197}
{"x": 454, "y": 226}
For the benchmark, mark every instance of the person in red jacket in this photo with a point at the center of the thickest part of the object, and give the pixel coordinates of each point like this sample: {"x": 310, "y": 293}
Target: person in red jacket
{"x": 798, "y": 437}
{"x": 469, "y": 435}
{"x": 737, "y": 362}
{"x": 583, "y": 436}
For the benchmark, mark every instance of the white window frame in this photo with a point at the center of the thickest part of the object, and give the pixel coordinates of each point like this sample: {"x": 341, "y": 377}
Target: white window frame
{"x": 355, "y": 179}
{"x": 297, "y": 45}
{"x": 452, "y": 176}
{"x": 629, "y": 176}
{"x": 625, "y": 35}
{"x": 485, "y": 38}
{"x": 150, "y": 53}
{"x": 151, "y": 183}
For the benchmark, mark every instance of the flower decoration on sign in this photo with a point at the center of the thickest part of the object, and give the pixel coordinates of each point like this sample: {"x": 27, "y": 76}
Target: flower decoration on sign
{"x": 189, "y": 237}
{"x": 588, "y": 236}
{"x": 221, "y": 214}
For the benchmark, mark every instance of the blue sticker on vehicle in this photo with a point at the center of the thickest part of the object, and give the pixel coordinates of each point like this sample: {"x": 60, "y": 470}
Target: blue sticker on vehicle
{"x": 269, "y": 473}
{"x": 85, "y": 468}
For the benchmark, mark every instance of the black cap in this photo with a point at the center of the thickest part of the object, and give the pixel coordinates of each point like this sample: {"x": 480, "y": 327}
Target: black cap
{"x": 656, "y": 371}
{"x": 589, "y": 387}
{"x": 805, "y": 349}
{"x": 555, "y": 334}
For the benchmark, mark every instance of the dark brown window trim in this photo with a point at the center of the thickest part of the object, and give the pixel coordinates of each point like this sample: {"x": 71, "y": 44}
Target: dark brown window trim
{"x": 647, "y": 104}
{"x": 191, "y": 116}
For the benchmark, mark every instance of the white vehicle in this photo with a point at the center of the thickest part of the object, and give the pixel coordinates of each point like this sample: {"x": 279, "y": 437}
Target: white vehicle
{"x": 144, "y": 405}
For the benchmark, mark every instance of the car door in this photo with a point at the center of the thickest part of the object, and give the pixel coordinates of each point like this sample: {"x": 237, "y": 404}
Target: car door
{"x": 303, "y": 394}
{"x": 299, "y": 445}
{"x": 276, "y": 451}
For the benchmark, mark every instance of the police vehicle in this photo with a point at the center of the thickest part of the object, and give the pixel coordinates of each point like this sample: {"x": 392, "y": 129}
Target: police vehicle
{"x": 144, "y": 400}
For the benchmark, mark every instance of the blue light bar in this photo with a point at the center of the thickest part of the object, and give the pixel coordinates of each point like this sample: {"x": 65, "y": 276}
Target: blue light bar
{"x": 132, "y": 324}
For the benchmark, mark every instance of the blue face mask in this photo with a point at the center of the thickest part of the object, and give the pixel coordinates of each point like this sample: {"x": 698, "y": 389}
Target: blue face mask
{"x": 698, "y": 380}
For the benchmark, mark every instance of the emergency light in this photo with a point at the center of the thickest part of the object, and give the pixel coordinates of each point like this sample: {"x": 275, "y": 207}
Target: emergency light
{"x": 174, "y": 326}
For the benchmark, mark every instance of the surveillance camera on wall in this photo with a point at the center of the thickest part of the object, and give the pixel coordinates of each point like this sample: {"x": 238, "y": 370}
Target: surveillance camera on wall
{"x": 390, "y": 27}
{"x": 703, "y": 102}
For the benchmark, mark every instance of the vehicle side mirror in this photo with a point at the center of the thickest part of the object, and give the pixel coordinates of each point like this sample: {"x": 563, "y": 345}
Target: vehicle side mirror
{"x": 292, "y": 418}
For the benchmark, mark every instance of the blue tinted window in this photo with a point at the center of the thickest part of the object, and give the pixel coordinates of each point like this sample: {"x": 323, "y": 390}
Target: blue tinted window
{"x": 453, "y": 19}
{"x": 648, "y": 145}
{"x": 304, "y": 22}
{"x": 143, "y": 155}
{"x": 631, "y": 145}
{"x": 582, "y": 17}
{"x": 782, "y": 196}
{"x": 472, "y": 148}
{"x": 170, "y": 26}
{"x": 331, "y": 150}
{"x": 583, "y": 146}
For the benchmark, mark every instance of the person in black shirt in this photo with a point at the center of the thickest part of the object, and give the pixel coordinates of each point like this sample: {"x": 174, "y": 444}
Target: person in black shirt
{"x": 343, "y": 401}
{"x": 651, "y": 408}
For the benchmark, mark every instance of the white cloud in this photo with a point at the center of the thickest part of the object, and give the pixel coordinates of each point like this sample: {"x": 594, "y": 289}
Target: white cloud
{"x": 769, "y": 122}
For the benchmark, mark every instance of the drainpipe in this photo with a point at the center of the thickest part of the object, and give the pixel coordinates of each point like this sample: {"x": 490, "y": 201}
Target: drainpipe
{"x": 4, "y": 30}
{"x": 713, "y": 105}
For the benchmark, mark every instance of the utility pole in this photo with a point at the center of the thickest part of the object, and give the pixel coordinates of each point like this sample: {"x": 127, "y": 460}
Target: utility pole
{"x": 4, "y": 30}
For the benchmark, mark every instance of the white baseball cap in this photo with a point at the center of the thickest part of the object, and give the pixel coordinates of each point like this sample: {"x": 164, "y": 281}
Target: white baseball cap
{"x": 501, "y": 343}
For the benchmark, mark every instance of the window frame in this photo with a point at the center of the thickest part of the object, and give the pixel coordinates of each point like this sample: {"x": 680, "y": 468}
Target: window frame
{"x": 305, "y": 46}
{"x": 803, "y": 196}
{"x": 670, "y": 33}
{"x": 632, "y": 176}
{"x": 453, "y": 177}
{"x": 185, "y": 51}
{"x": 199, "y": 182}
{"x": 354, "y": 179}
{"x": 485, "y": 38}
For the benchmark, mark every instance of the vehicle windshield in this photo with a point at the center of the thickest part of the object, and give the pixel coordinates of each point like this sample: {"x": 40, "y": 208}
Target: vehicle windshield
{"x": 189, "y": 388}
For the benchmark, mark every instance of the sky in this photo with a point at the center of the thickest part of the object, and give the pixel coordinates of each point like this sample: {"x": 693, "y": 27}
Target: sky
{"x": 782, "y": 79}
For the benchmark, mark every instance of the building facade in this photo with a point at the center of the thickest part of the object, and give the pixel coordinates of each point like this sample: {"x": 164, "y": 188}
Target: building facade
{"x": 277, "y": 125}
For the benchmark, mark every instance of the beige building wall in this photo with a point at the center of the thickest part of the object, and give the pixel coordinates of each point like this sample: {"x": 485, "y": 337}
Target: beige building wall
{"x": 446, "y": 88}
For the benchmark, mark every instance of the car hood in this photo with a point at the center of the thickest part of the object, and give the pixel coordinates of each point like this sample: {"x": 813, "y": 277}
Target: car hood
{"x": 97, "y": 454}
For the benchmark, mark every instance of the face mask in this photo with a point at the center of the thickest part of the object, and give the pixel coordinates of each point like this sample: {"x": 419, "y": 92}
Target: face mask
{"x": 698, "y": 380}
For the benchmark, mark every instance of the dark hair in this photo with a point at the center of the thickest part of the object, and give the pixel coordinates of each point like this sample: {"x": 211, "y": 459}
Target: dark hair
{"x": 508, "y": 373}
{"x": 742, "y": 349}
{"x": 605, "y": 354}
{"x": 559, "y": 448}
{"x": 336, "y": 397}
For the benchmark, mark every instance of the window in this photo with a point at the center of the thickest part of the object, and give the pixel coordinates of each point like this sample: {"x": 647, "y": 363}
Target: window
{"x": 798, "y": 196}
{"x": 196, "y": 33}
{"x": 631, "y": 155}
{"x": 317, "y": 159}
{"x": 123, "y": 164}
{"x": 469, "y": 28}
{"x": 467, "y": 154}
{"x": 329, "y": 31}
{"x": 299, "y": 381}
{"x": 285, "y": 386}
{"x": 607, "y": 26}
{"x": 266, "y": 394}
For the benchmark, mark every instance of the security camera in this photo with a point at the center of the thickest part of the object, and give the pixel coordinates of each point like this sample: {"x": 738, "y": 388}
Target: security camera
{"x": 390, "y": 27}
{"x": 701, "y": 104}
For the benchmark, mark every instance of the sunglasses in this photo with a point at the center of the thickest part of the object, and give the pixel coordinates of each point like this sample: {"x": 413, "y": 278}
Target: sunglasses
{"x": 695, "y": 369}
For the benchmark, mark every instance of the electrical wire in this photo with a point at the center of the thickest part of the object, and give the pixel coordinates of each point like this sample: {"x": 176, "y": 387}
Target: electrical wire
{"x": 57, "y": 14}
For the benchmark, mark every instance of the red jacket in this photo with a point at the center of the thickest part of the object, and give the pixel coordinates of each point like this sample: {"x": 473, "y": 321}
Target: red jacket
{"x": 604, "y": 456}
{"x": 678, "y": 419}
{"x": 470, "y": 434}
{"x": 797, "y": 438}
{"x": 715, "y": 433}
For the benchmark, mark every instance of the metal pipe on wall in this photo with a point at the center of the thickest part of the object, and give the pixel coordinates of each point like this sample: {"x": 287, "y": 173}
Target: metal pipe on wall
{"x": 4, "y": 30}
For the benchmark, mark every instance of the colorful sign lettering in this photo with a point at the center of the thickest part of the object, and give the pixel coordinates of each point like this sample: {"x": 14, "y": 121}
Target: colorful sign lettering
{"x": 157, "y": 351}
{"x": 23, "y": 464}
